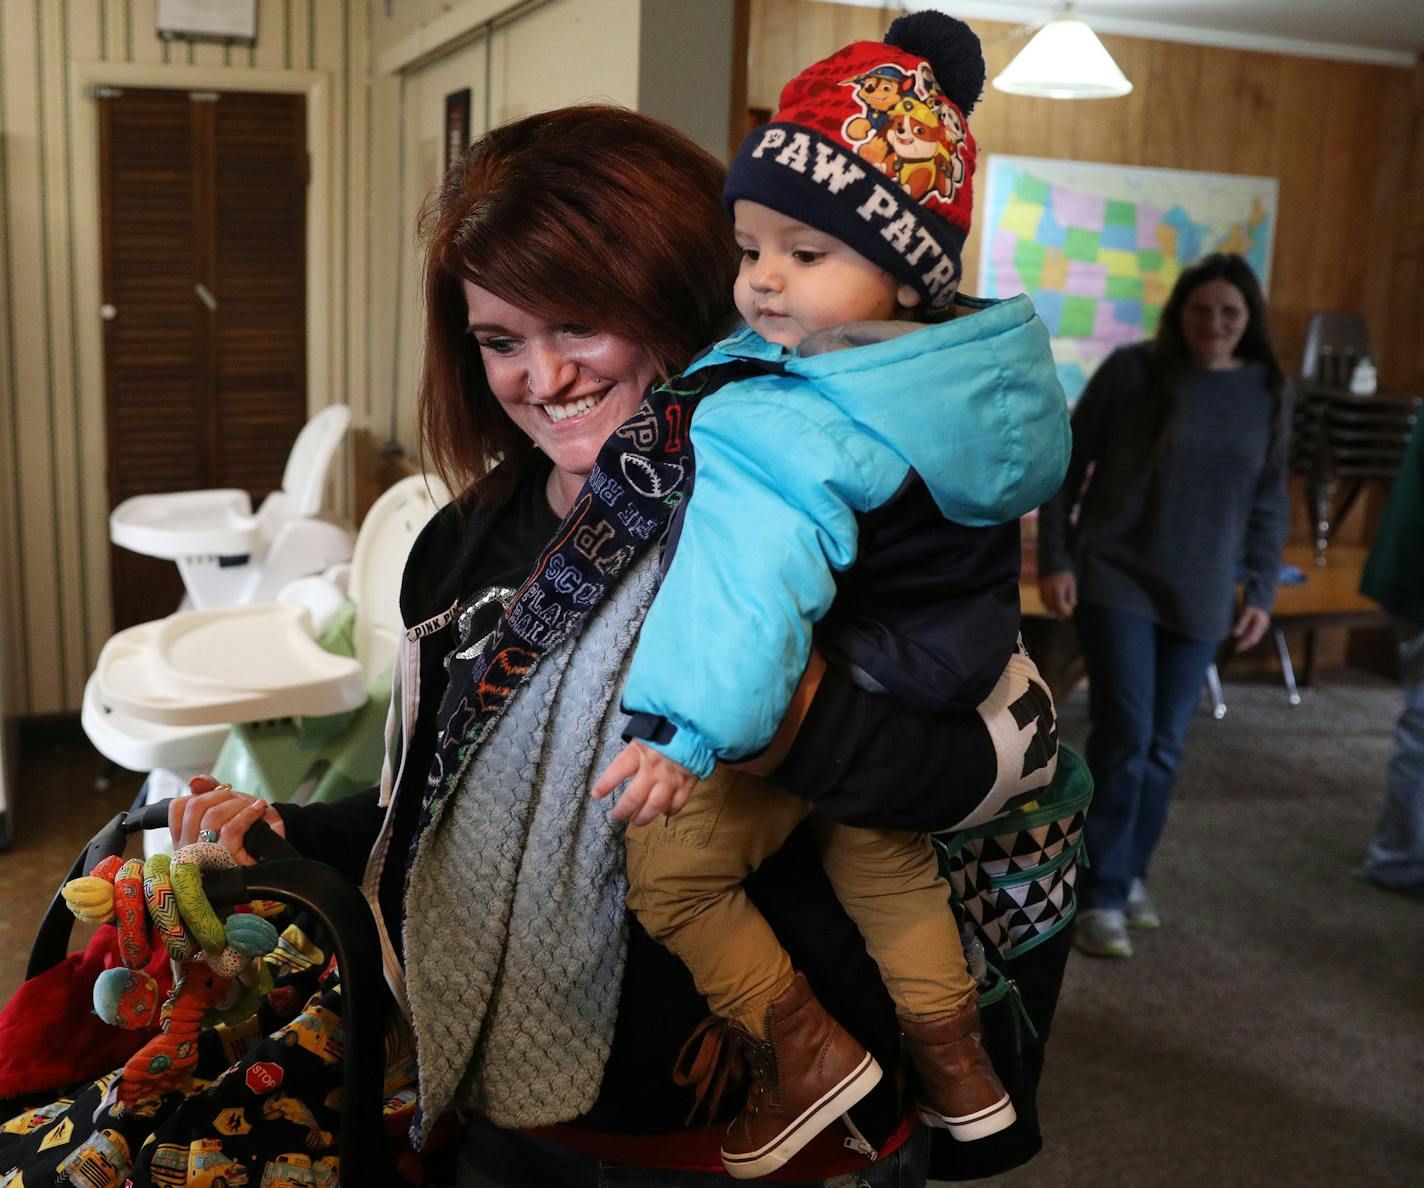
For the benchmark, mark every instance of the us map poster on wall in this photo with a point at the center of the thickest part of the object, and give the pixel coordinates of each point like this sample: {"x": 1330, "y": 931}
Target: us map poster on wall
{"x": 1098, "y": 247}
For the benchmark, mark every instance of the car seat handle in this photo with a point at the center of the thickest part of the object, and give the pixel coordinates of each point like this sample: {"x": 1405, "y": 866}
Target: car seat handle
{"x": 337, "y": 903}
{"x": 262, "y": 841}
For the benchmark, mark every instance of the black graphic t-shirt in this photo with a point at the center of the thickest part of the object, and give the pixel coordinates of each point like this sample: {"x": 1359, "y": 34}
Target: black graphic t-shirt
{"x": 525, "y": 525}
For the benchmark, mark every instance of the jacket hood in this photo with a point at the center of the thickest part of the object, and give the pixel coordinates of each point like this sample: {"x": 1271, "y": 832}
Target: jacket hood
{"x": 973, "y": 403}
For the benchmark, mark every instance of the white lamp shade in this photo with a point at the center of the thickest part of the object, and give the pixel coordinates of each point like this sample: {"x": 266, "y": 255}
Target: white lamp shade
{"x": 1065, "y": 60}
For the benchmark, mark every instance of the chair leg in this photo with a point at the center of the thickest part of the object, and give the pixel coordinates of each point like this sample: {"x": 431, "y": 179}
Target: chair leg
{"x": 104, "y": 779}
{"x": 1318, "y": 493}
{"x": 1287, "y": 669}
{"x": 1213, "y": 687}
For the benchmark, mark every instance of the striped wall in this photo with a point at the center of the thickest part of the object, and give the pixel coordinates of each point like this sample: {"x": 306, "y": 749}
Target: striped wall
{"x": 376, "y": 74}
{"x": 53, "y": 513}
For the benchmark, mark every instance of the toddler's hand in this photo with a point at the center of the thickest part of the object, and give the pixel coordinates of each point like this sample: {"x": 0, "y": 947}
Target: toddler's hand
{"x": 659, "y": 785}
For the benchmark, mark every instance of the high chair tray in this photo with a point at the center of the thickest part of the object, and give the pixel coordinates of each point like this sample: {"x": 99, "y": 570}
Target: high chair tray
{"x": 141, "y": 746}
{"x": 233, "y": 664}
{"x": 186, "y": 524}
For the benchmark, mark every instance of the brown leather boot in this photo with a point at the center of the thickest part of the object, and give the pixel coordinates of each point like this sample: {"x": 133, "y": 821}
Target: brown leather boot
{"x": 805, "y": 1074}
{"x": 959, "y": 1090}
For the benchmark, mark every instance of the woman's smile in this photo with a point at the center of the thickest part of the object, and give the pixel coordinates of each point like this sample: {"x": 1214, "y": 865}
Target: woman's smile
{"x": 566, "y": 386}
{"x": 574, "y": 408}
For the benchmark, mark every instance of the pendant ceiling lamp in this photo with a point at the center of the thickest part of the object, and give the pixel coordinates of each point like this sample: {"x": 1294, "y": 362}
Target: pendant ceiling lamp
{"x": 1064, "y": 60}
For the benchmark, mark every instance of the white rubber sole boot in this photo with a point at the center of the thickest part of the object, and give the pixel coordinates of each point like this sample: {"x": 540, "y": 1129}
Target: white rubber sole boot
{"x": 815, "y": 1118}
{"x": 980, "y": 1124}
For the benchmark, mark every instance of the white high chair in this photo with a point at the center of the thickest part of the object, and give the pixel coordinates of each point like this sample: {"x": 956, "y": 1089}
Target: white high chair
{"x": 165, "y": 694}
{"x": 227, "y": 554}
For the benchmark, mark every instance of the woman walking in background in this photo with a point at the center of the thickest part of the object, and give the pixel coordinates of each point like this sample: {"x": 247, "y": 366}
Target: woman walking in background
{"x": 1182, "y": 443}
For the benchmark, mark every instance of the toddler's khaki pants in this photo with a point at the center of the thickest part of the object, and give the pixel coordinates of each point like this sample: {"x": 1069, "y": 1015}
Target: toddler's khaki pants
{"x": 685, "y": 882}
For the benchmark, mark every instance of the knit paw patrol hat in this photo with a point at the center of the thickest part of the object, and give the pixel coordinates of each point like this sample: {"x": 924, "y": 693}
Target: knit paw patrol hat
{"x": 872, "y": 145}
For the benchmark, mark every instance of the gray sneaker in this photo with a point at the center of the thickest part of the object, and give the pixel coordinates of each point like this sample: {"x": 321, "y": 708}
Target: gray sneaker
{"x": 1102, "y": 932}
{"x": 1141, "y": 911}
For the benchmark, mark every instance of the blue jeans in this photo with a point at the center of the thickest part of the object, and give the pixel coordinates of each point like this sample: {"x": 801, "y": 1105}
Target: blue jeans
{"x": 1396, "y": 854}
{"x": 1143, "y": 684}
{"x": 494, "y": 1158}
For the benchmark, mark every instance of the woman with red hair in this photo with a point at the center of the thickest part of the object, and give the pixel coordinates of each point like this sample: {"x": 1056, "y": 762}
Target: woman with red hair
{"x": 574, "y": 259}
{"x": 577, "y": 260}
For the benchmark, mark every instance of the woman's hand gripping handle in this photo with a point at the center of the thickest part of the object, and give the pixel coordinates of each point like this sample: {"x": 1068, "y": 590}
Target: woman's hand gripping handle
{"x": 215, "y": 810}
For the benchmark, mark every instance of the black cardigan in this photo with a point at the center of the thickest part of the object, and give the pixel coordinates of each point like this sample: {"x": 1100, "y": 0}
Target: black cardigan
{"x": 1166, "y": 529}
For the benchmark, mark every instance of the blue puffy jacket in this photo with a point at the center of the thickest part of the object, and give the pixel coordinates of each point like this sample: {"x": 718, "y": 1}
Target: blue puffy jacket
{"x": 870, "y": 484}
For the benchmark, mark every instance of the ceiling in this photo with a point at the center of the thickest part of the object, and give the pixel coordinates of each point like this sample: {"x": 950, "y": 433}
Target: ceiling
{"x": 1373, "y": 30}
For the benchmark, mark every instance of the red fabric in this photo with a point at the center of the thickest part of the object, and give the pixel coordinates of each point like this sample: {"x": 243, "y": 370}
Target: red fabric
{"x": 701, "y": 1150}
{"x": 49, "y": 1034}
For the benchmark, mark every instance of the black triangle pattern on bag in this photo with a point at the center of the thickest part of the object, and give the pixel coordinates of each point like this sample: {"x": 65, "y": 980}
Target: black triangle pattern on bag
{"x": 1040, "y": 909}
{"x": 1009, "y": 917}
{"x": 1012, "y": 853}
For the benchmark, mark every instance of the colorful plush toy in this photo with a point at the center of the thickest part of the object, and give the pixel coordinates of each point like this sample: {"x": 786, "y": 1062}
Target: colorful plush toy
{"x": 217, "y": 975}
{"x": 167, "y": 1060}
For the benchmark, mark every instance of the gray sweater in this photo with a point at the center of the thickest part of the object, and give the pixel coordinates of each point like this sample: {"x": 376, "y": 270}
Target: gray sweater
{"x": 1168, "y": 535}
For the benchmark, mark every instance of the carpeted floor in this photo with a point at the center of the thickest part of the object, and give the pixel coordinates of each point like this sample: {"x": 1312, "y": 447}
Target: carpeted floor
{"x": 1272, "y": 1033}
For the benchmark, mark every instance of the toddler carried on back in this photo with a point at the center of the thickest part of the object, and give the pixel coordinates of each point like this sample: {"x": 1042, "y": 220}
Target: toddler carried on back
{"x": 838, "y": 503}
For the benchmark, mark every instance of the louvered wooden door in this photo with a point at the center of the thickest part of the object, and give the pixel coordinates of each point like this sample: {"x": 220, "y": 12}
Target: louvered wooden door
{"x": 203, "y": 209}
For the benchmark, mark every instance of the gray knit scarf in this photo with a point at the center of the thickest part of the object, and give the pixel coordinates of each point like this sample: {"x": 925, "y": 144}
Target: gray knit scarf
{"x": 514, "y": 918}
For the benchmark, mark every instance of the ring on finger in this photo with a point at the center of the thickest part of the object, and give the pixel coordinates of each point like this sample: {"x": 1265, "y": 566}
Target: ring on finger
{"x": 207, "y": 835}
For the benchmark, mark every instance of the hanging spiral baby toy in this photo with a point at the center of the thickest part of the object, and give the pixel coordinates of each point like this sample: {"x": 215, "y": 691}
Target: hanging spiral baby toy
{"x": 218, "y": 977}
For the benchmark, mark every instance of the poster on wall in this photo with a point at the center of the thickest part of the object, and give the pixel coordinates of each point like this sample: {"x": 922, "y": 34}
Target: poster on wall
{"x": 1098, "y": 247}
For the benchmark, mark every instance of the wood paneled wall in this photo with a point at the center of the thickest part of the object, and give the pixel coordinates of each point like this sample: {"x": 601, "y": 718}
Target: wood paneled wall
{"x": 53, "y": 508}
{"x": 1345, "y": 140}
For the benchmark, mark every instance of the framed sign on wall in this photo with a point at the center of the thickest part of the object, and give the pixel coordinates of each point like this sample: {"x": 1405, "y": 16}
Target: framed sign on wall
{"x": 208, "y": 20}
{"x": 457, "y": 125}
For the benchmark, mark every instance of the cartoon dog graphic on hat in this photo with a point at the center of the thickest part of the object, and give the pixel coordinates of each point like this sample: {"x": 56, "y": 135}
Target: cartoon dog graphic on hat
{"x": 928, "y": 152}
{"x": 878, "y": 91}
{"x": 908, "y": 130}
